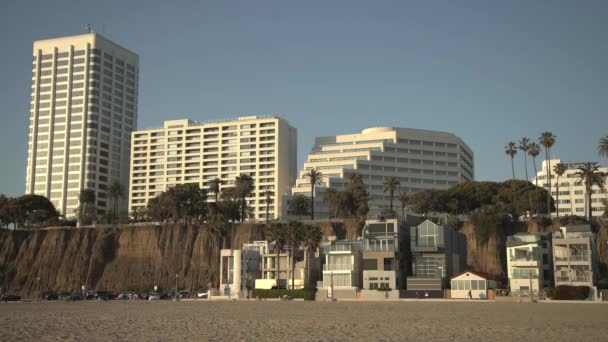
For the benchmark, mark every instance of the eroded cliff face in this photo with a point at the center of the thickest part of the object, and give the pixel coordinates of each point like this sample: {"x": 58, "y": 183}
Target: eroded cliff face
{"x": 120, "y": 258}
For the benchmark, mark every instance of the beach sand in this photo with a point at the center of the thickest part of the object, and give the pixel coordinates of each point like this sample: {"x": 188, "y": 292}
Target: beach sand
{"x": 301, "y": 321}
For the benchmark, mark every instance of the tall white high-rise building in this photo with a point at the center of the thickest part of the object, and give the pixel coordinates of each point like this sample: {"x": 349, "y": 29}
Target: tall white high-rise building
{"x": 189, "y": 152}
{"x": 83, "y": 109}
{"x": 420, "y": 159}
{"x": 572, "y": 194}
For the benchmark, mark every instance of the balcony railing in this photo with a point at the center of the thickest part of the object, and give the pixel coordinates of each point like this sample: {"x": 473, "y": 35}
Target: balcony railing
{"x": 525, "y": 258}
{"x": 337, "y": 248}
{"x": 338, "y": 267}
{"x": 379, "y": 248}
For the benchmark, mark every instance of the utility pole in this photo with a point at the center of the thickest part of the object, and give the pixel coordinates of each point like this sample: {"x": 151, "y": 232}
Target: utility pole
{"x": 531, "y": 294}
{"x": 332, "y": 286}
{"x": 38, "y": 296}
{"x": 176, "y": 276}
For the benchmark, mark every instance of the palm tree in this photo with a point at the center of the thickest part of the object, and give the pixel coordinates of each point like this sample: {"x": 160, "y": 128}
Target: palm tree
{"x": 310, "y": 241}
{"x": 315, "y": 178}
{"x": 602, "y": 148}
{"x": 86, "y": 198}
{"x": 534, "y": 151}
{"x": 403, "y": 199}
{"x": 294, "y": 233}
{"x": 524, "y": 146}
{"x": 511, "y": 151}
{"x": 268, "y": 200}
{"x": 390, "y": 185}
{"x": 116, "y": 191}
{"x": 214, "y": 186}
{"x": 589, "y": 174}
{"x": 298, "y": 205}
{"x": 276, "y": 234}
{"x": 547, "y": 139}
{"x": 559, "y": 170}
{"x": 244, "y": 187}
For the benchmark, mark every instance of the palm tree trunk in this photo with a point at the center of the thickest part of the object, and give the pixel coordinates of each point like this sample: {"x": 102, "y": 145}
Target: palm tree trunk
{"x": 536, "y": 189}
{"x": 243, "y": 206}
{"x": 267, "y": 208}
{"x": 306, "y": 262}
{"x": 512, "y": 167}
{"x": 312, "y": 201}
{"x": 557, "y": 197}
{"x": 278, "y": 265}
{"x": 293, "y": 268}
{"x": 115, "y": 208}
{"x": 548, "y": 155}
{"x": 391, "y": 200}
{"x": 527, "y": 179}
{"x": 588, "y": 189}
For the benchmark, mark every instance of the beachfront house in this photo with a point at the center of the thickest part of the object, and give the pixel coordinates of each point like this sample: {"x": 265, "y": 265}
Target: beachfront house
{"x": 529, "y": 262}
{"x": 472, "y": 285}
{"x": 438, "y": 252}
{"x": 271, "y": 266}
{"x": 574, "y": 256}
{"x": 240, "y": 268}
{"x": 381, "y": 255}
{"x": 341, "y": 269}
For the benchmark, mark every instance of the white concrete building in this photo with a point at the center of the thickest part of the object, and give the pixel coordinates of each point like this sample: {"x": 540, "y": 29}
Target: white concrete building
{"x": 572, "y": 199}
{"x": 83, "y": 109}
{"x": 529, "y": 262}
{"x": 185, "y": 151}
{"x": 241, "y": 268}
{"x": 421, "y": 159}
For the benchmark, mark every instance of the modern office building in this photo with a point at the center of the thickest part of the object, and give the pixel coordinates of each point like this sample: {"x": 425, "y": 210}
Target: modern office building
{"x": 529, "y": 262}
{"x": 438, "y": 253}
{"x": 185, "y": 151}
{"x": 83, "y": 109}
{"x": 572, "y": 199}
{"x": 574, "y": 256}
{"x": 381, "y": 265}
{"x": 421, "y": 159}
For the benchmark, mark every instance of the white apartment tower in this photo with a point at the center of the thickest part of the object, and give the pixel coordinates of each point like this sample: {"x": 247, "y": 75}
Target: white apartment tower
{"x": 572, "y": 192}
{"x": 420, "y": 159}
{"x": 189, "y": 152}
{"x": 83, "y": 109}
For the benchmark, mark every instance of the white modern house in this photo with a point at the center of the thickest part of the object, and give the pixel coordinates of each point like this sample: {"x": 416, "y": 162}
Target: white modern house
{"x": 342, "y": 265}
{"x": 475, "y": 282}
{"x": 574, "y": 255}
{"x": 240, "y": 268}
{"x": 529, "y": 262}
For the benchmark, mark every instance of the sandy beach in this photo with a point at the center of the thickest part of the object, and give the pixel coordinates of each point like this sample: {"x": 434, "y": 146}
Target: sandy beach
{"x": 301, "y": 321}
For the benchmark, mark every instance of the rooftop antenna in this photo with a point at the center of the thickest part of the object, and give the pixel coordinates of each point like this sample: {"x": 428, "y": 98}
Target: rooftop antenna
{"x": 88, "y": 28}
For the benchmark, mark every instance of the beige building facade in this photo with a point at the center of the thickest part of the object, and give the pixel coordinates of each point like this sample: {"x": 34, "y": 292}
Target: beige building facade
{"x": 421, "y": 159}
{"x": 572, "y": 194}
{"x": 83, "y": 109}
{"x": 185, "y": 151}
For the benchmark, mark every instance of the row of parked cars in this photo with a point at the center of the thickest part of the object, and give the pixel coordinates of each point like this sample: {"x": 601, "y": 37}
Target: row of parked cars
{"x": 107, "y": 295}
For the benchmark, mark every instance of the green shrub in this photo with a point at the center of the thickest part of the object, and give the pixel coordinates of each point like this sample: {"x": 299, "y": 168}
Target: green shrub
{"x": 602, "y": 284}
{"x": 306, "y": 294}
{"x": 384, "y": 289}
{"x": 571, "y": 292}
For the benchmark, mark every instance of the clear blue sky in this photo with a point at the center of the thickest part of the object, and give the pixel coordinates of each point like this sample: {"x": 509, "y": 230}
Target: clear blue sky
{"x": 488, "y": 71}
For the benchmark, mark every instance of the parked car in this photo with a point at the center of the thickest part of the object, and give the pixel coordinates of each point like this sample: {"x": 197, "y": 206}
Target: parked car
{"x": 89, "y": 295}
{"x": 164, "y": 295}
{"x": 103, "y": 295}
{"x": 50, "y": 295}
{"x": 127, "y": 296}
{"x": 76, "y": 296}
{"x": 203, "y": 295}
{"x": 63, "y": 296}
{"x": 143, "y": 296}
{"x": 154, "y": 296}
{"x": 183, "y": 294}
{"x": 10, "y": 298}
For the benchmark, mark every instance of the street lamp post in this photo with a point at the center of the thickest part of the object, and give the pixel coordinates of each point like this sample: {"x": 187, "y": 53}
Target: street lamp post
{"x": 332, "y": 285}
{"x": 38, "y": 285}
{"x": 531, "y": 295}
{"x": 176, "y": 277}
